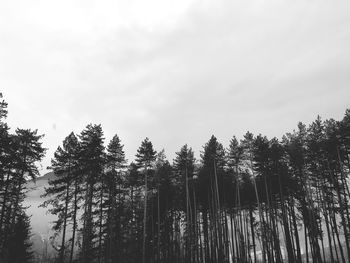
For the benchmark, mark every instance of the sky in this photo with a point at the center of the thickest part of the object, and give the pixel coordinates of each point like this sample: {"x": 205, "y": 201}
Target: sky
{"x": 174, "y": 71}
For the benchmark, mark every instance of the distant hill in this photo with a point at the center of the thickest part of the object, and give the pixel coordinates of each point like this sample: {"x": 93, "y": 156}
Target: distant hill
{"x": 39, "y": 218}
{"x": 36, "y": 188}
{"x": 46, "y": 177}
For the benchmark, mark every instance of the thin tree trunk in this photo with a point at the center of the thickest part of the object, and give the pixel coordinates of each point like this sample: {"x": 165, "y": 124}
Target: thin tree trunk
{"x": 145, "y": 219}
{"x": 62, "y": 249}
{"x": 74, "y": 220}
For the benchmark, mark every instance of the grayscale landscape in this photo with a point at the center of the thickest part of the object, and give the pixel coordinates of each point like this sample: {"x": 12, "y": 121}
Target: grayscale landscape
{"x": 188, "y": 131}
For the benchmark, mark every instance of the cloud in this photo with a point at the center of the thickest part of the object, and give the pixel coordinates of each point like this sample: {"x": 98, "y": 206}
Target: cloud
{"x": 174, "y": 72}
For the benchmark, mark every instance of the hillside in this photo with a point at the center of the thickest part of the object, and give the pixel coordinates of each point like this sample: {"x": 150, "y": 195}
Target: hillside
{"x": 40, "y": 219}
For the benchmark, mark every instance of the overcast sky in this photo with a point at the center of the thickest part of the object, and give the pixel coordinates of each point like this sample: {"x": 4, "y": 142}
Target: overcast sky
{"x": 175, "y": 71}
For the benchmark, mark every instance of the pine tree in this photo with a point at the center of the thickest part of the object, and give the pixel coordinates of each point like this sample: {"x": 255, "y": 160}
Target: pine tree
{"x": 92, "y": 160}
{"x": 7, "y": 155}
{"x": 145, "y": 158}
{"x": 62, "y": 191}
{"x": 248, "y": 152}
{"x": 184, "y": 168}
{"x": 19, "y": 244}
{"x": 211, "y": 181}
{"x": 19, "y": 154}
{"x": 115, "y": 166}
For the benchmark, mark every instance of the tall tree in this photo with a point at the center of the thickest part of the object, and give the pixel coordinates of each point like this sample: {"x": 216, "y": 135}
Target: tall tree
{"x": 19, "y": 155}
{"x": 92, "y": 160}
{"x": 145, "y": 158}
{"x": 184, "y": 168}
{"x": 210, "y": 183}
{"x": 116, "y": 163}
{"x": 63, "y": 191}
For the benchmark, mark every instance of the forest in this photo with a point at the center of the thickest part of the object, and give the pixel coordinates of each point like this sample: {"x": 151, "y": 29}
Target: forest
{"x": 255, "y": 200}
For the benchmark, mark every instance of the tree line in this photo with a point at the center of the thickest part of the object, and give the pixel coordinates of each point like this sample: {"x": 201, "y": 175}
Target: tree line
{"x": 258, "y": 200}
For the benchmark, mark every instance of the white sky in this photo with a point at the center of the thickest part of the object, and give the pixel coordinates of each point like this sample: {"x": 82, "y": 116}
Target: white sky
{"x": 175, "y": 71}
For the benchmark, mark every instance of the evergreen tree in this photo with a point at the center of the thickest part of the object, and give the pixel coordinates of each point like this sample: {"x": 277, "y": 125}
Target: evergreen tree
{"x": 145, "y": 158}
{"x": 63, "y": 191}
{"x": 92, "y": 160}
{"x": 184, "y": 168}
{"x": 19, "y": 154}
{"x": 211, "y": 192}
{"x": 19, "y": 244}
{"x": 115, "y": 166}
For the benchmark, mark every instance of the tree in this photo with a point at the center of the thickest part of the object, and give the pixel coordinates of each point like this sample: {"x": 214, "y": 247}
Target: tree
{"x": 115, "y": 165}
{"x": 19, "y": 244}
{"x": 19, "y": 154}
{"x": 211, "y": 179}
{"x": 145, "y": 158}
{"x": 63, "y": 191}
{"x": 92, "y": 160}
{"x": 184, "y": 169}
